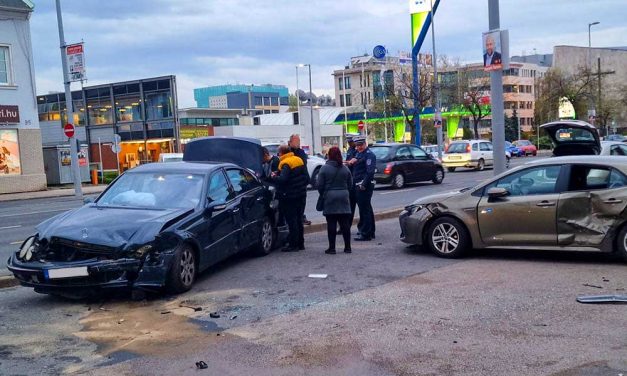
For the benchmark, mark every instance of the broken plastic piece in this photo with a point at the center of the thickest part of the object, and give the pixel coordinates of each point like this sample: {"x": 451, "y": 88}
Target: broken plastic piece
{"x": 233, "y": 317}
{"x": 214, "y": 315}
{"x": 322, "y": 276}
{"x": 595, "y": 286}
{"x": 595, "y": 299}
{"x": 201, "y": 365}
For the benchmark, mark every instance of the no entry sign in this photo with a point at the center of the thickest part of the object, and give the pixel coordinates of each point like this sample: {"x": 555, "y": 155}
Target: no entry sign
{"x": 68, "y": 129}
{"x": 360, "y": 125}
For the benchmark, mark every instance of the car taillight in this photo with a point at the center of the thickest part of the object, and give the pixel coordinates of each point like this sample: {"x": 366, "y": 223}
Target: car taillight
{"x": 468, "y": 148}
{"x": 388, "y": 169}
{"x": 446, "y": 148}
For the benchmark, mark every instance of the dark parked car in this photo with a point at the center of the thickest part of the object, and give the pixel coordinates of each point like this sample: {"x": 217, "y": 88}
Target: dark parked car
{"x": 398, "y": 164}
{"x": 156, "y": 226}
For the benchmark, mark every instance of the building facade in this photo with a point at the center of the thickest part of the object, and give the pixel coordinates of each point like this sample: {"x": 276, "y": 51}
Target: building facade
{"x": 21, "y": 159}
{"x": 201, "y": 122}
{"x": 253, "y": 99}
{"x": 143, "y": 113}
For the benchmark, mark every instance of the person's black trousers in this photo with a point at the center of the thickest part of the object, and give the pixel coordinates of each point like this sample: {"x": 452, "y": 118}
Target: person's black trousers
{"x": 345, "y": 227}
{"x": 352, "y": 195}
{"x": 366, "y": 224}
{"x": 292, "y": 209}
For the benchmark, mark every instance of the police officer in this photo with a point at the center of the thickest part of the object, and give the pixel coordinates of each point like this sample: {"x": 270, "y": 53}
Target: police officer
{"x": 350, "y": 154}
{"x": 363, "y": 175}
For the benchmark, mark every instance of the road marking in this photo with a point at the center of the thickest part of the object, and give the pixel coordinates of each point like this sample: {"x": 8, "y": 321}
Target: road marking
{"x": 14, "y": 243}
{"x": 37, "y": 212}
{"x": 399, "y": 191}
{"x": 8, "y": 227}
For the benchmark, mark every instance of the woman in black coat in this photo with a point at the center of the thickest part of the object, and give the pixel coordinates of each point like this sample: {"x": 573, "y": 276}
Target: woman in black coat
{"x": 334, "y": 182}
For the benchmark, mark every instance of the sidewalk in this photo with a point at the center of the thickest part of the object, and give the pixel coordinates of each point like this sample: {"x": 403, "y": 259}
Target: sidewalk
{"x": 51, "y": 192}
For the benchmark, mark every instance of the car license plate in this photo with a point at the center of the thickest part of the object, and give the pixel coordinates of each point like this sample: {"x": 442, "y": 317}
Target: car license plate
{"x": 454, "y": 157}
{"x": 66, "y": 273}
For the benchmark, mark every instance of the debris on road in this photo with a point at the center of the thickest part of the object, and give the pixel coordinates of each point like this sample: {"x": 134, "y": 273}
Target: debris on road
{"x": 120, "y": 321}
{"x": 595, "y": 286}
{"x": 321, "y": 276}
{"x": 196, "y": 309}
{"x": 596, "y": 299}
{"x": 165, "y": 312}
{"x": 214, "y": 315}
{"x": 201, "y": 365}
{"x": 233, "y": 317}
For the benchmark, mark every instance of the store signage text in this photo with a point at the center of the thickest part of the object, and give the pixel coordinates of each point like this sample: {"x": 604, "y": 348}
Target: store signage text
{"x": 9, "y": 114}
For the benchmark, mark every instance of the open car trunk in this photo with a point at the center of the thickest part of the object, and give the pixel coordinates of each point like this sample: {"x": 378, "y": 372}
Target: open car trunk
{"x": 244, "y": 152}
{"x": 573, "y": 137}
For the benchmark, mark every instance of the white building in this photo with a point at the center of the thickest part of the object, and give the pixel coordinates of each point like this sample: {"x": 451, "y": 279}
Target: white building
{"x": 21, "y": 159}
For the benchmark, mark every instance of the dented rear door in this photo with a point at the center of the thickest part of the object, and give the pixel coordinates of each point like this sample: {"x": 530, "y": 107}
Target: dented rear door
{"x": 591, "y": 208}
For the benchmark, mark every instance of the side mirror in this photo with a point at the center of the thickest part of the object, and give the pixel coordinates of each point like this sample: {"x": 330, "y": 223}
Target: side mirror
{"x": 496, "y": 192}
{"x": 213, "y": 207}
{"x": 88, "y": 200}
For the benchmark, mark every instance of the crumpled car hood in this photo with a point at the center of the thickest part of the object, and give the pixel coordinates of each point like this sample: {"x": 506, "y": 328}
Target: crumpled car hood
{"x": 108, "y": 226}
{"x": 436, "y": 198}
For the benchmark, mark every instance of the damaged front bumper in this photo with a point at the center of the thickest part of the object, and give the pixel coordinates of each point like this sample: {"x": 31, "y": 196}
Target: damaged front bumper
{"x": 149, "y": 273}
{"x": 413, "y": 223}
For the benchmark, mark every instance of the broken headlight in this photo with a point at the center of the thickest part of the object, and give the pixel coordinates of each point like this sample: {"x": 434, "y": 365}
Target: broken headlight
{"x": 141, "y": 251}
{"x": 413, "y": 208}
{"x": 28, "y": 248}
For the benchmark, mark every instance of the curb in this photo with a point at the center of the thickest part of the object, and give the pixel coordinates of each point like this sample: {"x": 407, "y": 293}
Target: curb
{"x": 386, "y": 214}
{"x": 51, "y": 193}
{"x": 10, "y": 281}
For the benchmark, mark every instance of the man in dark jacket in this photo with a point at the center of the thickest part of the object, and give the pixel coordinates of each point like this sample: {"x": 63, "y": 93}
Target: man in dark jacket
{"x": 350, "y": 154}
{"x": 270, "y": 163}
{"x": 291, "y": 182}
{"x": 294, "y": 145}
{"x": 363, "y": 176}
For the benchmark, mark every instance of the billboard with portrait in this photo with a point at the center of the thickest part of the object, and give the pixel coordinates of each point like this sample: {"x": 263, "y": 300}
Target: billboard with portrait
{"x": 9, "y": 153}
{"x": 492, "y": 51}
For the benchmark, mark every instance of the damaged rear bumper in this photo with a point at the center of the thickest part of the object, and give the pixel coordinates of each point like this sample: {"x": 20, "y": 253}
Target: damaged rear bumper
{"x": 73, "y": 277}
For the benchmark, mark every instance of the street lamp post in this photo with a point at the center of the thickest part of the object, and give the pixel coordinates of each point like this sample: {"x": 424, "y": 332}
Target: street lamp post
{"x": 313, "y": 141}
{"x": 297, "y": 97}
{"x": 591, "y": 111}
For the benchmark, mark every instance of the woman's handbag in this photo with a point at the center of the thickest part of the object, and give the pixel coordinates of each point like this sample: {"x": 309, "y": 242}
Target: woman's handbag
{"x": 320, "y": 202}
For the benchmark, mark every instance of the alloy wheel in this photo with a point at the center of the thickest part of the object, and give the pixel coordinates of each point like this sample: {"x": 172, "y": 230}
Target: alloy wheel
{"x": 445, "y": 238}
{"x": 188, "y": 267}
{"x": 266, "y": 236}
{"x": 399, "y": 181}
{"x": 439, "y": 176}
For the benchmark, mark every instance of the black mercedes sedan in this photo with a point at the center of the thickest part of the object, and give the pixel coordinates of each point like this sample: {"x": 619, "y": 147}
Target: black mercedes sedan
{"x": 156, "y": 226}
{"x": 398, "y": 164}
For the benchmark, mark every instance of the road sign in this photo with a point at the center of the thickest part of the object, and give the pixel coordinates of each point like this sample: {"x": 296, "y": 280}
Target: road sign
{"x": 360, "y": 125}
{"x": 379, "y": 52}
{"x": 75, "y": 61}
{"x": 115, "y": 147}
{"x": 68, "y": 129}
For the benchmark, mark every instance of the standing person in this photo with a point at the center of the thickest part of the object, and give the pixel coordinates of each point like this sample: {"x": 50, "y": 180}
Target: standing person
{"x": 294, "y": 144}
{"x": 363, "y": 175}
{"x": 270, "y": 163}
{"x": 350, "y": 154}
{"x": 291, "y": 181}
{"x": 334, "y": 185}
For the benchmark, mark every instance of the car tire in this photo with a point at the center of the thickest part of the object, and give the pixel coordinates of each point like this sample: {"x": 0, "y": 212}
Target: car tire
{"x": 621, "y": 244}
{"x": 398, "y": 181}
{"x": 535, "y": 153}
{"x": 450, "y": 169}
{"x": 266, "y": 238}
{"x": 447, "y": 237}
{"x": 183, "y": 270}
{"x": 438, "y": 176}
{"x": 480, "y": 165}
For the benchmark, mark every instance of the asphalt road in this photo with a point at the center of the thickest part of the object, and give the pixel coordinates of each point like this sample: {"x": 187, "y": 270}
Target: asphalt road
{"x": 19, "y": 218}
{"x": 385, "y": 309}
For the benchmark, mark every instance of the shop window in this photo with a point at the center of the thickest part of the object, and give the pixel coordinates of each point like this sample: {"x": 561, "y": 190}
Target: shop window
{"x": 127, "y": 108}
{"x": 158, "y": 105}
{"x": 5, "y": 66}
{"x": 100, "y": 111}
{"x": 10, "y": 163}
{"x": 78, "y": 112}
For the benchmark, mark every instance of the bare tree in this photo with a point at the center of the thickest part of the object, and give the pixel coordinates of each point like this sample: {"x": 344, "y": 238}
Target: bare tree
{"x": 577, "y": 88}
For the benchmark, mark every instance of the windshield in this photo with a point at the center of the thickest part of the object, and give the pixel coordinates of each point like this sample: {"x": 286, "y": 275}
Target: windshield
{"x": 457, "y": 147}
{"x": 573, "y": 134}
{"x": 522, "y": 143}
{"x": 381, "y": 152}
{"x": 154, "y": 190}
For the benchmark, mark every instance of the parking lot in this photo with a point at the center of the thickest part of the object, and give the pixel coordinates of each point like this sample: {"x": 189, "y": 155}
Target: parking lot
{"x": 386, "y": 309}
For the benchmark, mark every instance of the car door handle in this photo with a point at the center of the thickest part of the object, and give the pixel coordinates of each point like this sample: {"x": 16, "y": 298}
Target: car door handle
{"x": 259, "y": 198}
{"x": 235, "y": 210}
{"x": 544, "y": 204}
{"x": 613, "y": 201}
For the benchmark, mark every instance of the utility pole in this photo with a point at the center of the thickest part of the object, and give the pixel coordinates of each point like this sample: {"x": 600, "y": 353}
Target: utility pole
{"x": 496, "y": 90}
{"x": 591, "y": 109}
{"x": 437, "y": 117}
{"x": 69, "y": 104}
{"x": 599, "y": 74}
{"x": 297, "y": 97}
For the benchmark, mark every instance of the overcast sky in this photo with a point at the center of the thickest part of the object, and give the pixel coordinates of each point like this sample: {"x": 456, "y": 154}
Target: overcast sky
{"x": 211, "y": 42}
